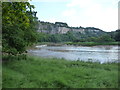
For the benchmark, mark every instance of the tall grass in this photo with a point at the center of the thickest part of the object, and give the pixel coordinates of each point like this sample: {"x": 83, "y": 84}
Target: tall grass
{"x": 35, "y": 72}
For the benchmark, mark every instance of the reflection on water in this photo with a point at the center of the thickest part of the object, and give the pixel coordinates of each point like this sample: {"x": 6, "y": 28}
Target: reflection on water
{"x": 95, "y": 53}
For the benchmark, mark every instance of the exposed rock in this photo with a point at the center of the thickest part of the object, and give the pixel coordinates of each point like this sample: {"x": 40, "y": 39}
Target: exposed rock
{"x": 63, "y": 28}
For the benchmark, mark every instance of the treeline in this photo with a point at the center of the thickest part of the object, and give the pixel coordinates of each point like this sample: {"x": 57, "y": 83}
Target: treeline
{"x": 19, "y": 23}
{"x": 43, "y": 37}
{"x": 115, "y": 35}
{"x": 71, "y": 37}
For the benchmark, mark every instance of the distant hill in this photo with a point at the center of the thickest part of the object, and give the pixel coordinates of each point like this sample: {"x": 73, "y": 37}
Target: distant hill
{"x": 62, "y": 28}
{"x": 61, "y": 32}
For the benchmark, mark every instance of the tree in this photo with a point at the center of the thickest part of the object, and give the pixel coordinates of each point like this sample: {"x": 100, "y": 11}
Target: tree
{"x": 18, "y": 27}
{"x": 105, "y": 38}
{"x": 117, "y": 35}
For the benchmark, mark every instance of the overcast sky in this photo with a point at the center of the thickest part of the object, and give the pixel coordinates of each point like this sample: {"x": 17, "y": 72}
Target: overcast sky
{"x": 101, "y": 14}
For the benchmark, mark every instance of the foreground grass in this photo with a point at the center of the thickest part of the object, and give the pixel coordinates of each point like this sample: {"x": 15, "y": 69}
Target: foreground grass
{"x": 58, "y": 73}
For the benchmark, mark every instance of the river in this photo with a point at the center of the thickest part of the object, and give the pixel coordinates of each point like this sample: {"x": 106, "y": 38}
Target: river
{"x": 100, "y": 54}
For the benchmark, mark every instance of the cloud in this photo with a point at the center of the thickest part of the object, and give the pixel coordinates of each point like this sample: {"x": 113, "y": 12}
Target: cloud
{"x": 102, "y": 14}
{"x": 69, "y": 12}
{"x": 88, "y": 3}
{"x": 80, "y": 3}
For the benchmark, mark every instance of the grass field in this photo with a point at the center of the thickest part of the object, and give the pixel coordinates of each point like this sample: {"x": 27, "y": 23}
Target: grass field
{"x": 39, "y": 72}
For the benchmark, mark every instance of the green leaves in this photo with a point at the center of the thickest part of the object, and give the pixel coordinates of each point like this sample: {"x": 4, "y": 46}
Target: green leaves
{"x": 18, "y": 26}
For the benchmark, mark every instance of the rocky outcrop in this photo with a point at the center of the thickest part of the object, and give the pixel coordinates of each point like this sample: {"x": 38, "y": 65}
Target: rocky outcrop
{"x": 63, "y": 28}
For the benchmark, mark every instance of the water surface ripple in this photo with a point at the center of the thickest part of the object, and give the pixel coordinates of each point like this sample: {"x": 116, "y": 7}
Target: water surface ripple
{"x": 100, "y": 54}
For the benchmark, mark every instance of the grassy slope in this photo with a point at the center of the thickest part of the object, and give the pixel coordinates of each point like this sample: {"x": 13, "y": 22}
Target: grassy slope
{"x": 51, "y": 73}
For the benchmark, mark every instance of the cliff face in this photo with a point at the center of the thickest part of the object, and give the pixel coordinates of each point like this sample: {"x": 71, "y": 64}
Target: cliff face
{"x": 52, "y": 28}
{"x": 63, "y": 28}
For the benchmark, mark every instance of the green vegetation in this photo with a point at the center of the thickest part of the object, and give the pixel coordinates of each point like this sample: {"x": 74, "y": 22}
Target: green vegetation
{"x": 19, "y": 32}
{"x": 56, "y": 38}
{"x": 115, "y": 35}
{"x": 61, "y": 24}
{"x": 92, "y": 43}
{"x": 18, "y": 27}
{"x": 57, "y": 73}
{"x": 72, "y": 37}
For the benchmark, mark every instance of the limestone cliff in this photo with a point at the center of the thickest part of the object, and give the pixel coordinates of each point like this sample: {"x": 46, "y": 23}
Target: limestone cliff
{"x": 63, "y": 28}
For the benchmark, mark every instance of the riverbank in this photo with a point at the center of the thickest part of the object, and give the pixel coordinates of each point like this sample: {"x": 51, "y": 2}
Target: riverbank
{"x": 92, "y": 43}
{"x": 78, "y": 43}
{"x": 34, "y": 72}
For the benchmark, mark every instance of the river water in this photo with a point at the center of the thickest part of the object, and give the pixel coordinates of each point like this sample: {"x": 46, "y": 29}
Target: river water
{"x": 100, "y": 54}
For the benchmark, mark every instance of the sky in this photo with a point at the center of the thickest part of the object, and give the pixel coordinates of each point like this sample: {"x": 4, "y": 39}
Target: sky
{"x": 102, "y": 14}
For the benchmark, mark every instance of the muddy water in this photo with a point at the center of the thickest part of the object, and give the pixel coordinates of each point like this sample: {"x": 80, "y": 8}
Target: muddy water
{"x": 100, "y": 54}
